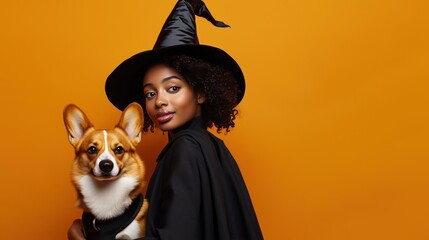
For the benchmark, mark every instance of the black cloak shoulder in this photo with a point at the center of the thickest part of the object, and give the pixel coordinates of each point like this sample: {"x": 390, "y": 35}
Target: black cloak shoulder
{"x": 197, "y": 191}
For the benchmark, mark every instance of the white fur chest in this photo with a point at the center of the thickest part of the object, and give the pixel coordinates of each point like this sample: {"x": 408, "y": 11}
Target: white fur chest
{"x": 110, "y": 201}
{"x": 107, "y": 201}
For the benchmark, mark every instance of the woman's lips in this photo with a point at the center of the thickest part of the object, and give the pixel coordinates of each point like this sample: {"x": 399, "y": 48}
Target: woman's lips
{"x": 164, "y": 117}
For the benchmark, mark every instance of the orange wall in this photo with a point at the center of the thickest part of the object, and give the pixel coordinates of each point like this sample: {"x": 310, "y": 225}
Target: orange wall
{"x": 333, "y": 133}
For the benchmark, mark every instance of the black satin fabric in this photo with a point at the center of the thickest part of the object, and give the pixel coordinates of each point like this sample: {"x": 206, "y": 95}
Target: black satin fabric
{"x": 180, "y": 27}
{"x": 197, "y": 191}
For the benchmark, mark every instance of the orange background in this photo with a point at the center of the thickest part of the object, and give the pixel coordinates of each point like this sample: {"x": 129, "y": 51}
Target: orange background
{"x": 333, "y": 133}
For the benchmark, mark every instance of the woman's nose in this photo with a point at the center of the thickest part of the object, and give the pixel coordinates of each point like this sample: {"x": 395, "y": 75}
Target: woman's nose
{"x": 160, "y": 100}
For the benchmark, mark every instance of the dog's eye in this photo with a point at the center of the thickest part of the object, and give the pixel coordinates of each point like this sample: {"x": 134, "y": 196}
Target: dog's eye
{"x": 118, "y": 150}
{"x": 92, "y": 150}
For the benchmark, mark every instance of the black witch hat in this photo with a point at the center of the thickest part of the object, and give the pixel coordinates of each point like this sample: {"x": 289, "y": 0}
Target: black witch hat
{"x": 177, "y": 36}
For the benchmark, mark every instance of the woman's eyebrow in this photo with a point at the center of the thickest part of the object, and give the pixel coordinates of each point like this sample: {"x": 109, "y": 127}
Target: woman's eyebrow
{"x": 169, "y": 78}
{"x": 163, "y": 80}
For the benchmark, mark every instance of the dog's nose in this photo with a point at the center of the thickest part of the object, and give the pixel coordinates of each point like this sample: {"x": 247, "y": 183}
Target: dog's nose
{"x": 106, "y": 166}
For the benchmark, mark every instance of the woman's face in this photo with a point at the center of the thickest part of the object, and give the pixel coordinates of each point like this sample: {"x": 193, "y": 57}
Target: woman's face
{"x": 170, "y": 100}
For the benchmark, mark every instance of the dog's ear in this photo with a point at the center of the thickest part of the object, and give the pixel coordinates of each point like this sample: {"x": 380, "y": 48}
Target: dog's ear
{"x": 76, "y": 123}
{"x": 132, "y": 122}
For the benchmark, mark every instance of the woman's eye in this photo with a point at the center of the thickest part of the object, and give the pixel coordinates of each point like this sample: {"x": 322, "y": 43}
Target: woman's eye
{"x": 173, "y": 89}
{"x": 149, "y": 95}
{"x": 118, "y": 150}
{"x": 92, "y": 150}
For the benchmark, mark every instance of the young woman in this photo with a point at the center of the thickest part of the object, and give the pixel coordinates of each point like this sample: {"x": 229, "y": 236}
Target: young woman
{"x": 196, "y": 191}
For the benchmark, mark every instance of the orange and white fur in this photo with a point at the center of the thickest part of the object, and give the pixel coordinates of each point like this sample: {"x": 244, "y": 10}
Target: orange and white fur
{"x": 107, "y": 172}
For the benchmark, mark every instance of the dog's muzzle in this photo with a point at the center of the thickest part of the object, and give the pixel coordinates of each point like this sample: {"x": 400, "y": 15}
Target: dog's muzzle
{"x": 106, "y": 167}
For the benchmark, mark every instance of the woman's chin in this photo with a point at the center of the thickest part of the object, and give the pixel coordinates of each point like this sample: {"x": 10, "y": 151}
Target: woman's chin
{"x": 165, "y": 127}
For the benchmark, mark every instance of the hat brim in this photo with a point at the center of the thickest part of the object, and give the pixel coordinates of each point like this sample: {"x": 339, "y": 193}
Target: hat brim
{"x": 122, "y": 85}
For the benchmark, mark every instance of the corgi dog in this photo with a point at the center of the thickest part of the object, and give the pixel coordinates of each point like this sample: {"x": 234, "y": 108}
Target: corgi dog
{"x": 108, "y": 174}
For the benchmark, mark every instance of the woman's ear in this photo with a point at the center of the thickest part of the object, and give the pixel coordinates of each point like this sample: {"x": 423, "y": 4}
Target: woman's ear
{"x": 201, "y": 98}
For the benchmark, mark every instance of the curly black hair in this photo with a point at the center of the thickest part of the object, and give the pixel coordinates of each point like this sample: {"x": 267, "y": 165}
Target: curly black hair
{"x": 217, "y": 84}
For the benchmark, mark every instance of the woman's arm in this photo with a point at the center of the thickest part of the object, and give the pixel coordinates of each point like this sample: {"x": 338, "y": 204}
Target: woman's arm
{"x": 75, "y": 231}
{"x": 174, "y": 209}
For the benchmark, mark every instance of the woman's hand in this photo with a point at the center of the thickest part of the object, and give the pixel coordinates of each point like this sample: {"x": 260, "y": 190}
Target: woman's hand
{"x": 76, "y": 231}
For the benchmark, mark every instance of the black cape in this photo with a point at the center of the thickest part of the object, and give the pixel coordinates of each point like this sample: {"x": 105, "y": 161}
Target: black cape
{"x": 197, "y": 191}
